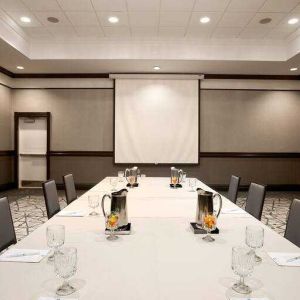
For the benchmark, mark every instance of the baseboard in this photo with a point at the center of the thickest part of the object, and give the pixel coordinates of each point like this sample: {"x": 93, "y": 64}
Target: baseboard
{"x": 269, "y": 187}
{"x": 79, "y": 186}
{"x": 7, "y": 186}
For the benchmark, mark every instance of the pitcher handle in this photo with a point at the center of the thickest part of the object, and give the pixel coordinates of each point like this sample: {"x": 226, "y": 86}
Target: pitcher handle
{"x": 126, "y": 171}
{"x": 221, "y": 202}
{"x": 102, "y": 204}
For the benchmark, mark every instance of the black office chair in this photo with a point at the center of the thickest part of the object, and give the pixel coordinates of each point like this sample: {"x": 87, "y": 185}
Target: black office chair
{"x": 51, "y": 198}
{"x": 7, "y": 230}
{"x": 292, "y": 231}
{"x": 233, "y": 188}
{"x": 70, "y": 189}
{"x": 255, "y": 200}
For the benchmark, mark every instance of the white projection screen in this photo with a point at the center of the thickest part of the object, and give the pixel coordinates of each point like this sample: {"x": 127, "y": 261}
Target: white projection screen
{"x": 156, "y": 121}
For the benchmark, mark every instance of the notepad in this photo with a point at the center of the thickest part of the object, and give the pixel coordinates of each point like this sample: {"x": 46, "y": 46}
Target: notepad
{"x": 249, "y": 298}
{"x": 286, "y": 258}
{"x": 56, "y": 298}
{"x": 73, "y": 213}
{"x": 234, "y": 210}
{"x": 23, "y": 255}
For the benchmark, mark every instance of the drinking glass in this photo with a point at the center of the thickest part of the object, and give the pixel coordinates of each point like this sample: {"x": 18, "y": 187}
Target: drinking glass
{"x": 121, "y": 176}
{"x": 93, "y": 203}
{"x": 65, "y": 266}
{"x": 209, "y": 223}
{"x": 242, "y": 264}
{"x": 55, "y": 235}
{"x": 255, "y": 239}
{"x": 111, "y": 222}
{"x": 192, "y": 183}
{"x": 183, "y": 176}
{"x": 113, "y": 183}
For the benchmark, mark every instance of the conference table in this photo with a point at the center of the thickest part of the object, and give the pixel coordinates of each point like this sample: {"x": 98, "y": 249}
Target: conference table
{"x": 161, "y": 259}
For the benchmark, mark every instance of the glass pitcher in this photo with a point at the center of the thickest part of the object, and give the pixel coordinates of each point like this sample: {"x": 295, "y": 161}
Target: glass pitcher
{"x": 131, "y": 175}
{"x": 176, "y": 176}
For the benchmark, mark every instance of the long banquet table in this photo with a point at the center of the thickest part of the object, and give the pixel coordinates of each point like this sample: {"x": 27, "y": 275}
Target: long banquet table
{"x": 162, "y": 259}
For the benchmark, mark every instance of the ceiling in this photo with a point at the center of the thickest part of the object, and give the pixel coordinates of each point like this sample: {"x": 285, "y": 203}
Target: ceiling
{"x": 150, "y": 32}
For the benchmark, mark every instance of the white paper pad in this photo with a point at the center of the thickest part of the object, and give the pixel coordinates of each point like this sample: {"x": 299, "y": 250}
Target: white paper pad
{"x": 56, "y": 298}
{"x": 282, "y": 259}
{"x": 249, "y": 298}
{"x": 73, "y": 213}
{"x": 233, "y": 211}
{"x": 24, "y": 255}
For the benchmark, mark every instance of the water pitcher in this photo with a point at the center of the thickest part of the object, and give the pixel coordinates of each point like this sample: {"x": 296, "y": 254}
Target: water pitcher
{"x": 206, "y": 203}
{"x": 118, "y": 204}
{"x": 176, "y": 175}
{"x": 131, "y": 175}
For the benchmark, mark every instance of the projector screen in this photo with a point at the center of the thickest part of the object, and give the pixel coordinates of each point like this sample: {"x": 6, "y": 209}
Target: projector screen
{"x": 156, "y": 121}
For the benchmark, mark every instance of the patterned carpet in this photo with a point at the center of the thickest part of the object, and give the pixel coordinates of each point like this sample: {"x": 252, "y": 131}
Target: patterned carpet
{"x": 29, "y": 211}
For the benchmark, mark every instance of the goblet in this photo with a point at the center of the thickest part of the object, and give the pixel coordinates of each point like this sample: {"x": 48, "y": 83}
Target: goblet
{"x": 209, "y": 223}
{"x": 93, "y": 203}
{"x": 65, "y": 266}
{"x": 255, "y": 239}
{"x": 112, "y": 221}
{"x": 242, "y": 264}
{"x": 113, "y": 183}
{"x": 55, "y": 235}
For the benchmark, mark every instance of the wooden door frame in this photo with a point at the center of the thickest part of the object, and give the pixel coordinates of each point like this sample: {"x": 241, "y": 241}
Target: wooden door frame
{"x": 17, "y": 116}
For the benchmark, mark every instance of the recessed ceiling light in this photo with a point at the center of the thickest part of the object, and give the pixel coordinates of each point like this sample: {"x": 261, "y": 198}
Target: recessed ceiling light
{"x": 20, "y": 67}
{"x": 204, "y": 20}
{"x": 293, "y": 69}
{"x": 52, "y": 20}
{"x": 25, "y": 19}
{"x": 265, "y": 21}
{"x": 156, "y": 68}
{"x": 293, "y": 21}
{"x": 113, "y": 19}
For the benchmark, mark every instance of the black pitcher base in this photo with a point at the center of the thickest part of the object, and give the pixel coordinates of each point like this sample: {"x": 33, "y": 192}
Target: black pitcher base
{"x": 178, "y": 185}
{"x": 134, "y": 185}
{"x": 124, "y": 230}
{"x": 197, "y": 230}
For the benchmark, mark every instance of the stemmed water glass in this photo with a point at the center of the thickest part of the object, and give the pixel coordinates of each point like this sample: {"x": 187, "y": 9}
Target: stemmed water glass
{"x": 255, "y": 239}
{"x": 121, "y": 176}
{"x": 192, "y": 184}
{"x": 55, "y": 235}
{"x": 113, "y": 182}
{"x": 65, "y": 266}
{"x": 111, "y": 222}
{"x": 209, "y": 223}
{"x": 93, "y": 203}
{"x": 242, "y": 264}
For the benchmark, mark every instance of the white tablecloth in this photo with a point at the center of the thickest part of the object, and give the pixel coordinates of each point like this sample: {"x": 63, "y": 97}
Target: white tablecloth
{"x": 162, "y": 259}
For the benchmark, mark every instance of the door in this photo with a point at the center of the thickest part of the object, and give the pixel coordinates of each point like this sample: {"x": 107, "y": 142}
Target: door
{"x": 32, "y": 150}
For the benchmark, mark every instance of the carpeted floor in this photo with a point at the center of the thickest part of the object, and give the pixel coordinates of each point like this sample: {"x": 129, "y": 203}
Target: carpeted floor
{"x": 29, "y": 212}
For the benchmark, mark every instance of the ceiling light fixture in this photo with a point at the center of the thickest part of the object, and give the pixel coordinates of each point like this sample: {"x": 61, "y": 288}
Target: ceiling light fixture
{"x": 113, "y": 19}
{"x": 20, "y": 67}
{"x": 156, "y": 68}
{"x": 293, "y": 69}
{"x": 52, "y": 20}
{"x": 204, "y": 20}
{"x": 293, "y": 21}
{"x": 265, "y": 21}
{"x": 25, "y": 19}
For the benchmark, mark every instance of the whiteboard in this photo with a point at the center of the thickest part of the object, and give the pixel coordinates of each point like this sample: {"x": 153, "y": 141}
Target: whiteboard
{"x": 156, "y": 121}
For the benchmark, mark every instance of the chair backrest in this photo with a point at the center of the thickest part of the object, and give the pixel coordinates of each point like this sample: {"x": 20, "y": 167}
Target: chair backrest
{"x": 255, "y": 200}
{"x": 233, "y": 188}
{"x": 51, "y": 198}
{"x": 7, "y": 230}
{"x": 70, "y": 189}
{"x": 292, "y": 231}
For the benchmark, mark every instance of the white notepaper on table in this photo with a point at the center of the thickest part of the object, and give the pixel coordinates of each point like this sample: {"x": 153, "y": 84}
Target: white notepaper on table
{"x": 23, "y": 255}
{"x": 286, "y": 259}
{"x": 73, "y": 213}
{"x": 249, "y": 298}
{"x": 233, "y": 211}
{"x": 56, "y": 298}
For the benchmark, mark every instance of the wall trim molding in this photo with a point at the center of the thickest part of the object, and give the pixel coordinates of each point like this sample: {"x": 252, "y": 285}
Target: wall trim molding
{"x": 82, "y": 153}
{"x": 251, "y": 154}
{"x": 201, "y": 154}
{"x": 269, "y": 187}
{"x": 7, "y": 152}
{"x": 106, "y": 75}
